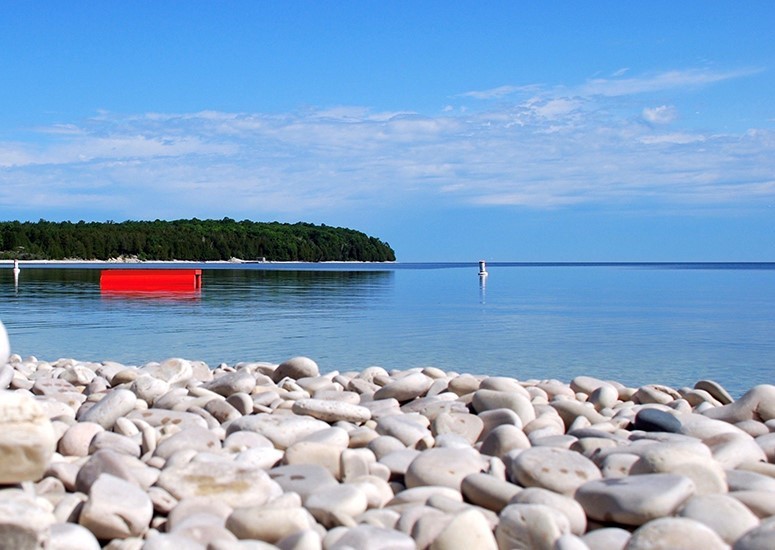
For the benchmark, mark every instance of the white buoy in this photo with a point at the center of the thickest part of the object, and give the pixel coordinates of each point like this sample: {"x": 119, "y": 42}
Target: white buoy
{"x": 482, "y": 269}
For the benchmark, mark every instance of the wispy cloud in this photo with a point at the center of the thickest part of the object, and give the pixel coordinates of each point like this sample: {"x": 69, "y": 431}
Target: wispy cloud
{"x": 542, "y": 149}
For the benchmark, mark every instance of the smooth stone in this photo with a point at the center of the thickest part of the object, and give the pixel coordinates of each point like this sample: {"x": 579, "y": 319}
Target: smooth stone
{"x": 732, "y": 450}
{"x": 488, "y": 491}
{"x": 468, "y": 529}
{"x": 282, "y": 430}
{"x": 423, "y": 524}
{"x": 655, "y": 420}
{"x": 636, "y": 499}
{"x": 728, "y": 517}
{"x": 234, "y": 382}
{"x": 570, "y": 508}
{"x": 404, "y": 428}
{"x": 105, "y": 461}
{"x": 329, "y": 504}
{"x": 240, "y": 441}
{"x": 171, "y": 541}
{"x": 741, "y": 480}
{"x": 716, "y": 390}
{"x": 195, "y": 438}
{"x": 759, "y": 502}
{"x": 464, "y": 384}
{"x": 222, "y": 410}
{"x": 149, "y": 388}
{"x": 618, "y": 465}
{"x": 586, "y": 384}
{"x": 114, "y": 442}
{"x": 234, "y": 483}
{"x": 444, "y": 466}
{"x": 653, "y": 393}
{"x": 691, "y": 459}
{"x": 377, "y": 490}
{"x": 505, "y": 384}
{"x": 502, "y": 439}
{"x": 27, "y": 438}
{"x": 767, "y": 444}
{"x": 174, "y": 371}
{"x": 607, "y": 538}
{"x": 307, "y": 539}
{"x": 604, "y": 396}
{"x": 759, "y": 538}
{"x": 24, "y": 521}
{"x": 303, "y": 479}
{"x": 71, "y": 536}
{"x": 675, "y": 534}
{"x": 295, "y": 368}
{"x": 370, "y": 537}
{"x": 530, "y": 527}
{"x": 106, "y": 411}
{"x": 268, "y": 523}
{"x": 407, "y": 387}
{"x": 331, "y": 411}
{"x": 569, "y": 410}
{"x": 242, "y": 402}
{"x": 487, "y": 400}
{"x": 311, "y": 452}
{"x": 116, "y": 509}
{"x": 160, "y": 418}
{"x": 558, "y": 470}
{"x": 758, "y": 403}
{"x": 466, "y": 425}
{"x": 75, "y": 441}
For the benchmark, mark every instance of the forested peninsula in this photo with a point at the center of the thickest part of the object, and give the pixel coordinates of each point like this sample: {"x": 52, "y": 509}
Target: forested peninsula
{"x": 194, "y": 240}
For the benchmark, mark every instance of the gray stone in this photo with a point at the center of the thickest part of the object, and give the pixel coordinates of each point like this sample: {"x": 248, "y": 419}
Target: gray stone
{"x": 636, "y": 499}
{"x": 716, "y": 390}
{"x": 655, "y": 420}
{"x": 488, "y": 491}
{"x": 759, "y": 538}
{"x": 502, "y": 439}
{"x": 114, "y": 442}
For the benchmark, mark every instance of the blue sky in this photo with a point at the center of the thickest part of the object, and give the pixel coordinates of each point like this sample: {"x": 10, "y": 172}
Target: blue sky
{"x": 513, "y": 131}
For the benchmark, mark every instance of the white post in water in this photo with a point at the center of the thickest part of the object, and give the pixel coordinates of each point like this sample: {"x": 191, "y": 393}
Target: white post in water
{"x": 482, "y": 269}
{"x": 16, "y": 271}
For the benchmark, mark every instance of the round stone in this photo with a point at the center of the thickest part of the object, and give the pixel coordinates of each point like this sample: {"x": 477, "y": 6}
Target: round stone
{"x": 675, "y": 534}
{"x": 635, "y": 499}
{"x": 295, "y": 368}
{"x": 655, "y": 420}
{"x": 405, "y": 388}
{"x": 725, "y": 515}
{"x": 558, "y": 470}
{"x": 570, "y": 508}
{"x": 106, "y": 411}
{"x": 444, "y": 466}
{"x": 534, "y": 526}
{"x": 116, "y": 509}
{"x": 760, "y": 538}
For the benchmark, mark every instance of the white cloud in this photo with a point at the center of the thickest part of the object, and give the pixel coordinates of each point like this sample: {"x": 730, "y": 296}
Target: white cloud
{"x": 664, "y": 114}
{"x": 547, "y": 150}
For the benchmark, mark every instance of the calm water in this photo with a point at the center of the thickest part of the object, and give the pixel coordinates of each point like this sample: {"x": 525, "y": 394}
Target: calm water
{"x": 670, "y": 323}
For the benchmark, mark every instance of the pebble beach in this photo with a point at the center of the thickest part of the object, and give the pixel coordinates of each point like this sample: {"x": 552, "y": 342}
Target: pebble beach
{"x": 178, "y": 455}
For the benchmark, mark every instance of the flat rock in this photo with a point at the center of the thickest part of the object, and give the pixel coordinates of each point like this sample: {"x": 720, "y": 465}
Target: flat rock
{"x": 159, "y": 418}
{"x": 655, "y": 420}
{"x": 407, "y": 430}
{"x": 268, "y": 523}
{"x": 193, "y": 437}
{"x": 716, "y": 390}
{"x": 331, "y": 411}
{"x": 558, "y": 470}
{"x": 675, "y": 534}
{"x": 444, "y": 466}
{"x": 231, "y": 482}
{"x": 636, "y": 499}
{"x": 106, "y": 411}
{"x": 303, "y": 479}
{"x": 759, "y": 538}
{"x": 407, "y": 387}
{"x": 327, "y": 505}
{"x": 530, "y": 527}
{"x": 607, "y": 538}
{"x": 487, "y": 400}
{"x": 370, "y": 537}
{"x": 75, "y": 441}
{"x": 174, "y": 371}
{"x": 282, "y": 430}
{"x": 27, "y": 438}
{"x": 691, "y": 459}
{"x": 728, "y": 517}
{"x": 116, "y": 509}
{"x": 570, "y": 508}
{"x": 466, "y": 425}
{"x": 468, "y": 529}
{"x": 488, "y": 491}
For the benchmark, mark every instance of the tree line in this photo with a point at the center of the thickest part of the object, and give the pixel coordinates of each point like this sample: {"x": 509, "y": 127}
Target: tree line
{"x": 195, "y": 240}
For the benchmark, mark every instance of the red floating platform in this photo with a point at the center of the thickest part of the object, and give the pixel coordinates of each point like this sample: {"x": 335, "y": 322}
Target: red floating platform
{"x": 151, "y": 279}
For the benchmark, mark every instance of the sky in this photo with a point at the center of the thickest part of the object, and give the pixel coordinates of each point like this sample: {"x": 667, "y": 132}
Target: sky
{"x": 454, "y": 131}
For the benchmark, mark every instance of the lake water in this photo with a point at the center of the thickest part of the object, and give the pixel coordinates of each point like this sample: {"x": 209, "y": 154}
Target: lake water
{"x": 637, "y": 323}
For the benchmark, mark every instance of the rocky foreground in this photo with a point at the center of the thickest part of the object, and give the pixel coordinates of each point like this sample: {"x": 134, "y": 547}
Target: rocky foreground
{"x": 175, "y": 455}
